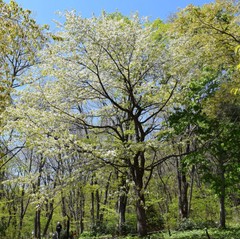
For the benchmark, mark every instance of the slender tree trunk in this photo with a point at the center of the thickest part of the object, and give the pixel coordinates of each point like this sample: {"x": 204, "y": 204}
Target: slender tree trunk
{"x": 182, "y": 195}
{"x": 49, "y": 218}
{"x": 37, "y": 221}
{"x": 166, "y": 191}
{"x": 122, "y": 204}
{"x": 191, "y": 190}
{"x": 76, "y": 208}
{"x": 79, "y": 210}
{"x": 3, "y": 219}
{"x": 82, "y": 212}
{"x": 2, "y": 177}
{"x": 182, "y": 192}
{"x": 183, "y": 185}
{"x": 105, "y": 198}
{"x": 37, "y": 227}
{"x": 222, "y": 211}
{"x": 64, "y": 209}
{"x": 222, "y": 196}
{"x": 122, "y": 211}
{"x": 23, "y": 210}
{"x": 97, "y": 195}
{"x": 92, "y": 205}
{"x": 14, "y": 219}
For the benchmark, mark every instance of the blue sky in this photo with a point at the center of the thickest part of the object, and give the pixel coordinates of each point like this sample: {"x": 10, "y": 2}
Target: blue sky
{"x": 44, "y": 10}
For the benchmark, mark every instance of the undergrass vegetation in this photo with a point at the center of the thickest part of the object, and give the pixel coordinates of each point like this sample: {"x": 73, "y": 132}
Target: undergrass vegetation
{"x": 214, "y": 233}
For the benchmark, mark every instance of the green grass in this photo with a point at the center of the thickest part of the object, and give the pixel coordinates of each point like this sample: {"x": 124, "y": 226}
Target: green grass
{"x": 215, "y": 233}
{"x": 201, "y": 234}
{"x": 233, "y": 233}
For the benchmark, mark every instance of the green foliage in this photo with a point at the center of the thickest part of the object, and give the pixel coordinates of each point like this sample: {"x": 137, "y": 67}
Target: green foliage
{"x": 189, "y": 224}
{"x": 119, "y": 95}
{"x": 232, "y": 233}
{"x": 201, "y": 234}
{"x": 154, "y": 220}
{"x": 89, "y": 235}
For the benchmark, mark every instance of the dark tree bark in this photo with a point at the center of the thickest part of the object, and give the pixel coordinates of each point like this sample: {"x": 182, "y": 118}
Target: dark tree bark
{"x": 82, "y": 213}
{"x": 105, "y": 198}
{"x": 97, "y": 195}
{"x": 37, "y": 224}
{"x": 49, "y": 217}
{"x": 63, "y": 204}
{"x": 138, "y": 173}
{"x": 183, "y": 185}
{"x": 37, "y": 220}
{"x": 141, "y": 214}
{"x": 183, "y": 192}
{"x": 191, "y": 190}
{"x": 122, "y": 204}
{"x": 92, "y": 210}
{"x": 222, "y": 195}
{"x": 23, "y": 209}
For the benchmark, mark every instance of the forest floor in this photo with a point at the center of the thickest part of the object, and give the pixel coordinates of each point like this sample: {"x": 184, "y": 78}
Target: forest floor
{"x": 233, "y": 233}
{"x": 230, "y": 233}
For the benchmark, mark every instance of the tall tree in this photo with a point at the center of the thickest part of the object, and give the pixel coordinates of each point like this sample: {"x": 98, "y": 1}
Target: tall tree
{"x": 20, "y": 39}
{"x": 110, "y": 77}
{"x": 208, "y": 36}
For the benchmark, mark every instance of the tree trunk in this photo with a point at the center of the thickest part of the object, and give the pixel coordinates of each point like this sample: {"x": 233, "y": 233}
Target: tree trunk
{"x": 78, "y": 210}
{"x": 105, "y": 198}
{"x": 49, "y": 218}
{"x": 141, "y": 214}
{"x": 163, "y": 186}
{"x": 23, "y": 210}
{"x": 37, "y": 224}
{"x": 2, "y": 177}
{"x": 183, "y": 186}
{"x": 122, "y": 204}
{"x": 222, "y": 212}
{"x": 122, "y": 211}
{"x": 82, "y": 213}
{"x": 222, "y": 219}
{"x": 140, "y": 203}
{"x": 184, "y": 197}
{"x": 137, "y": 172}
{"x": 183, "y": 194}
{"x": 63, "y": 205}
{"x": 191, "y": 190}
{"x": 92, "y": 206}
{"x": 97, "y": 206}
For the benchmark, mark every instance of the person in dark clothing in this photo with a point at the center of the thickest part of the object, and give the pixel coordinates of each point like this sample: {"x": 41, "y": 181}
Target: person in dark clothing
{"x": 58, "y": 229}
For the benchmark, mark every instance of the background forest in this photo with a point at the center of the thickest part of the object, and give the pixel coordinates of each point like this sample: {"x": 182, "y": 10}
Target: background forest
{"x": 117, "y": 125}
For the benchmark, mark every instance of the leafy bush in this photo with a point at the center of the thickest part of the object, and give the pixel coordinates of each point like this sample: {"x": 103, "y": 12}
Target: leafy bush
{"x": 205, "y": 224}
{"x": 189, "y": 224}
{"x": 154, "y": 221}
{"x": 90, "y": 234}
{"x": 186, "y": 224}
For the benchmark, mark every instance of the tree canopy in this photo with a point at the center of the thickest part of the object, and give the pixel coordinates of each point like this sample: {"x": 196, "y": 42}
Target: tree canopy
{"x": 119, "y": 120}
